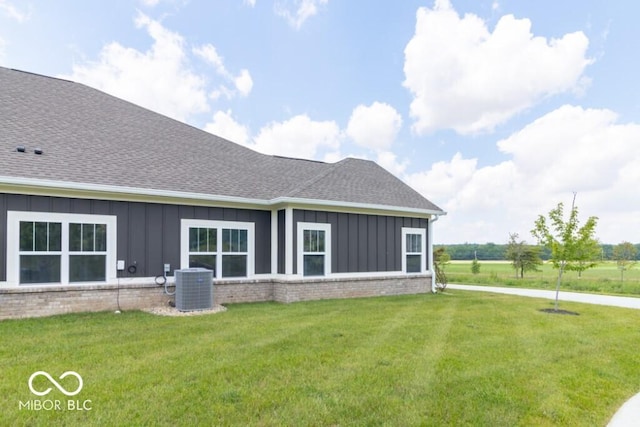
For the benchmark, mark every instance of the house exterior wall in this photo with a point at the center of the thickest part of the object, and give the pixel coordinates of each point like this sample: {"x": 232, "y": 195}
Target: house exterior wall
{"x": 148, "y": 233}
{"x": 366, "y": 256}
{"x": 361, "y": 243}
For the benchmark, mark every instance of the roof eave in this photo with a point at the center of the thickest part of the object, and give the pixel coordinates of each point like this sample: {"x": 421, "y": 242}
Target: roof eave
{"x": 111, "y": 192}
{"x": 396, "y": 210}
{"x": 34, "y": 186}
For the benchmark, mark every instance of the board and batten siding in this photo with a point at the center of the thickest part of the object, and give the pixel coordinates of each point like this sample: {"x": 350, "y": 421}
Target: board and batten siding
{"x": 361, "y": 243}
{"x": 148, "y": 233}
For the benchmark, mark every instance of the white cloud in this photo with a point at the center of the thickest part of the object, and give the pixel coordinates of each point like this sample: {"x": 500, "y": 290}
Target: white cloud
{"x": 375, "y": 126}
{"x": 159, "y": 79}
{"x": 242, "y": 82}
{"x": 8, "y": 9}
{"x": 569, "y": 149}
{"x": 466, "y": 78}
{"x": 225, "y": 126}
{"x": 390, "y": 162}
{"x": 297, "y": 137}
{"x": 250, "y": 3}
{"x": 150, "y": 3}
{"x": 296, "y": 12}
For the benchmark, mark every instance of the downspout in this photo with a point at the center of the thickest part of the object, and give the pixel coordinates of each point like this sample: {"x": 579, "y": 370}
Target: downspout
{"x": 434, "y": 288}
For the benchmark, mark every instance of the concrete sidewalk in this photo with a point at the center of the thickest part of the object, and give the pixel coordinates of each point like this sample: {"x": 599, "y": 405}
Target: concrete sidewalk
{"x": 610, "y": 300}
{"x": 629, "y": 414}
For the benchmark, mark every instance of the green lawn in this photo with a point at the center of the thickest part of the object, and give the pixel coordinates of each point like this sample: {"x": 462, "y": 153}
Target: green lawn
{"x": 604, "y": 278}
{"x": 459, "y": 358}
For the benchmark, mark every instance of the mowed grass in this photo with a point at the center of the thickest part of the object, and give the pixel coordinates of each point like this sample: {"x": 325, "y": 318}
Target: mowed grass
{"x": 604, "y": 278}
{"x": 459, "y": 358}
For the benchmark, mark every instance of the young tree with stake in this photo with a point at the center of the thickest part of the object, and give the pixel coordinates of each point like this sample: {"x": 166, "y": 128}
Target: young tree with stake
{"x": 567, "y": 241}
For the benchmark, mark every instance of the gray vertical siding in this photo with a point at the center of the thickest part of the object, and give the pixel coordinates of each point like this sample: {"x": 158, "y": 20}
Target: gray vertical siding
{"x": 148, "y": 233}
{"x": 361, "y": 243}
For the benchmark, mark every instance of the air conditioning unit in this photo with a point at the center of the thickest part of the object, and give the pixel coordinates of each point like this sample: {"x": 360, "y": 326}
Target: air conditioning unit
{"x": 194, "y": 289}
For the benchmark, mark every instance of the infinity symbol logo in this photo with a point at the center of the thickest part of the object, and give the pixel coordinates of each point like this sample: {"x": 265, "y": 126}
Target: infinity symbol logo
{"x": 55, "y": 383}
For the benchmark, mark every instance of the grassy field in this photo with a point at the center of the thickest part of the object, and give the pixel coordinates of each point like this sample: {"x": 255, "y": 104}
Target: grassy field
{"x": 604, "y": 278}
{"x": 458, "y": 358}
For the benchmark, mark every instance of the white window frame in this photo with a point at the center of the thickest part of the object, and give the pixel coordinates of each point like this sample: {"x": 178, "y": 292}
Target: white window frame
{"x": 302, "y": 226}
{"x": 13, "y": 243}
{"x": 186, "y": 224}
{"x": 406, "y": 231}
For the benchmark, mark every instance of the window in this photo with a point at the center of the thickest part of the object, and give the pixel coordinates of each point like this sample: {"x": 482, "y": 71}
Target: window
{"x": 414, "y": 250}
{"x": 314, "y": 249}
{"x": 58, "y": 248}
{"x": 40, "y": 251}
{"x": 221, "y": 246}
{"x": 87, "y": 252}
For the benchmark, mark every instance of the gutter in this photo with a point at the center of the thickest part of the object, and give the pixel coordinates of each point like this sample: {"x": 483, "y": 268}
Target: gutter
{"x": 434, "y": 287}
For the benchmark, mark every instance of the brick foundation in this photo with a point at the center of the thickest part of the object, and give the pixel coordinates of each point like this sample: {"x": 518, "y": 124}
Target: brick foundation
{"x": 29, "y": 301}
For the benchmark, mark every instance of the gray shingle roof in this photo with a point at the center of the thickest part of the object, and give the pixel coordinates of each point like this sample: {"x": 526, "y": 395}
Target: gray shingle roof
{"x": 90, "y": 137}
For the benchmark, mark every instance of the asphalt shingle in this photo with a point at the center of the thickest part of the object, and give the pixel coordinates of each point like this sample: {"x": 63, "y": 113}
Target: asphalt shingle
{"x": 90, "y": 137}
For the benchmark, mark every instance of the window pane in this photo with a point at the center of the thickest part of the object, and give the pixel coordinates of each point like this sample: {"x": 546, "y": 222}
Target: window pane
{"x": 101, "y": 237}
{"x": 314, "y": 240}
{"x": 307, "y": 240}
{"x": 213, "y": 241}
{"x": 39, "y": 268}
{"x": 234, "y": 266}
{"x": 193, "y": 239}
{"x": 414, "y": 263}
{"x": 314, "y": 265}
{"x": 41, "y": 237}
{"x": 26, "y": 236}
{"x": 226, "y": 240}
{"x": 203, "y": 244}
{"x": 320, "y": 241}
{"x": 414, "y": 243}
{"x": 203, "y": 261}
{"x": 75, "y": 237}
{"x": 88, "y": 233}
{"x": 242, "y": 241}
{"x": 234, "y": 240}
{"x": 87, "y": 268}
{"x": 55, "y": 236}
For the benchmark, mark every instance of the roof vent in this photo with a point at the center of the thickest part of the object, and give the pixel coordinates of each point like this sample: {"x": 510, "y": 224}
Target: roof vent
{"x": 21, "y": 149}
{"x": 38, "y": 151}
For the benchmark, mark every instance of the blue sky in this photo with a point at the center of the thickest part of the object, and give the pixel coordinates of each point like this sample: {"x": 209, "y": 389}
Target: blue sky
{"x": 496, "y": 110}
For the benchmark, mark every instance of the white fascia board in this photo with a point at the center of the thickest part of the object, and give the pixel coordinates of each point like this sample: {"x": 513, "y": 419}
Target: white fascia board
{"x": 112, "y": 192}
{"x": 336, "y": 206}
{"x": 45, "y": 187}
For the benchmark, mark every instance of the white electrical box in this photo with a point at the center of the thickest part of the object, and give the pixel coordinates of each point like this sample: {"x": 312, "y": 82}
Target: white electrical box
{"x": 167, "y": 269}
{"x": 120, "y": 265}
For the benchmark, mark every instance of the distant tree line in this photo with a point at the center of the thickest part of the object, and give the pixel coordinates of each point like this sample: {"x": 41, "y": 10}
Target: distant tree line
{"x": 498, "y": 252}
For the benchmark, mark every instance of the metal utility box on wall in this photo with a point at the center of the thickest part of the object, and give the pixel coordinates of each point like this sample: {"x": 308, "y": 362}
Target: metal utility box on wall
{"x": 194, "y": 289}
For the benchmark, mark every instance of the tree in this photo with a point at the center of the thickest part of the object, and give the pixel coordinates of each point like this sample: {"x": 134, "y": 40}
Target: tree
{"x": 440, "y": 259}
{"x": 566, "y": 239}
{"x": 475, "y": 266}
{"x": 523, "y": 257}
{"x": 587, "y": 256}
{"x": 625, "y": 254}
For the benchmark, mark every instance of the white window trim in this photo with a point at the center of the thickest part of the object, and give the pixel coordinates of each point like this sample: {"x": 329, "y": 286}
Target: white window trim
{"x": 300, "y": 246}
{"x": 186, "y": 224}
{"x": 423, "y": 247}
{"x": 13, "y": 243}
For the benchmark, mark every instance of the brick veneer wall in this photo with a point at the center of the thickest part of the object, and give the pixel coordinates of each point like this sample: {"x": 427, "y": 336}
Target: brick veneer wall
{"x": 30, "y": 301}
